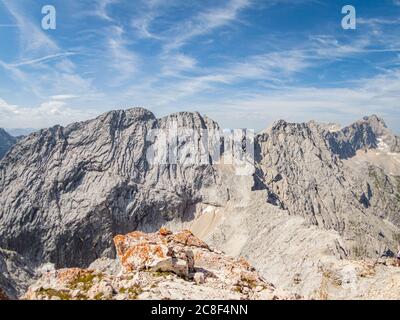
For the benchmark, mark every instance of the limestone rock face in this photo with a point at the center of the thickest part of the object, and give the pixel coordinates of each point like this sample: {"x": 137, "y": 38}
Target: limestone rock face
{"x": 6, "y": 142}
{"x": 67, "y": 191}
{"x": 149, "y": 273}
{"x": 16, "y": 273}
{"x": 364, "y": 134}
{"x": 302, "y": 167}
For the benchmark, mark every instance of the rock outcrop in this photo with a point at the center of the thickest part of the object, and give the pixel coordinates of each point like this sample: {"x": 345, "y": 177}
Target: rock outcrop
{"x": 6, "y": 142}
{"x": 161, "y": 265}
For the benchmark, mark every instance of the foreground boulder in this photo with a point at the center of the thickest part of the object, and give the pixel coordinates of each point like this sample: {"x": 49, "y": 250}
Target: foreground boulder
{"x": 158, "y": 265}
{"x": 162, "y": 251}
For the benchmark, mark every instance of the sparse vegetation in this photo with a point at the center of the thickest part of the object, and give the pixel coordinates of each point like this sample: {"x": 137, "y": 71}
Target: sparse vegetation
{"x": 50, "y": 293}
{"x": 163, "y": 274}
{"x": 99, "y": 296}
{"x": 132, "y": 292}
{"x": 251, "y": 283}
{"x": 83, "y": 281}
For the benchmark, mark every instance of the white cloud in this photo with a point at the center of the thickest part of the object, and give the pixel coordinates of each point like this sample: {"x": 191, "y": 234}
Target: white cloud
{"x": 124, "y": 61}
{"x": 179, "y": 33}
{"x": 379, "y": 94}
{"x": 42, "y": 59}
{"x": 33, "y": 40}
{"x": 32, "y": 72}
{"x": 174, "y": 64}
{"x": 142, "y": 25}
{"x": 206, "y": 22}
{"x": 250, "y": 88}
{"x": 45, "y": 115}
{"x": 8, "y": 25}
{"x": 101, "y": 9}
{"x": 272, "y": 67}
{"x": 62, "y": 97}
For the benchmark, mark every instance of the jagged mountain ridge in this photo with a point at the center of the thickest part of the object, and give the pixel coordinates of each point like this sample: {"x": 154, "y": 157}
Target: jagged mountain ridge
{"x": 301, "y": 164}
{"x": 363, "y": 134}
{"x": 67, "y": 191}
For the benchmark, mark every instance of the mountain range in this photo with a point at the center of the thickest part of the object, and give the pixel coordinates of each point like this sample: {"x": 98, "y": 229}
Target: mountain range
{"x": 315, "y": 209}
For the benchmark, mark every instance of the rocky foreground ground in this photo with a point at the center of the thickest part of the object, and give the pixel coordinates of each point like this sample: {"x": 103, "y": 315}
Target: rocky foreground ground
{"x": 162, "y": 265}
{"x": 166, "y": 265}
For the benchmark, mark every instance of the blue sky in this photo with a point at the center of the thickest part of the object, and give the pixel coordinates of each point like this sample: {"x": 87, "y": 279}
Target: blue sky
{"x": 245, "y": 63}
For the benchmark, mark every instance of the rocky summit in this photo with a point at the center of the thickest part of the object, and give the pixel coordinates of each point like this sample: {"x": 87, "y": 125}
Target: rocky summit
{"x": 158, "y": 265}
{"x": 310, "y": 205}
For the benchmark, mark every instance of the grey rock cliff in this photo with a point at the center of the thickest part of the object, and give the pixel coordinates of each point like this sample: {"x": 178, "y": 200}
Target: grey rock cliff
{"x": 6, "y": 142}
{"x": 16, "y": 273}
{"x": 361, "y": 135}
{"x": 301, "y": 166}
{"x": 64, "y": 192}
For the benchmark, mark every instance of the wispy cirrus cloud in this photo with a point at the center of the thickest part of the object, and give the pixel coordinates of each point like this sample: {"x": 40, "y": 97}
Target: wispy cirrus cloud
{"x": 3, "y": 25}
{"x": 271, "y": 68}
{"x": 237, "y": 60}
{"x": 32, "y": 39}
{"x": 100, "y": 9}
{"x": 42, "y": 59}
{"x": 42, "y": 67}
{"x": 121, "y": 59}
{"x": 178, "y": 34}
{"x": 206, "y": 22}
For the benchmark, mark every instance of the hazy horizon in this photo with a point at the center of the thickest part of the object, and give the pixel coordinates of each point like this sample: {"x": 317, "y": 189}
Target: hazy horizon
{"x": 25, "y": 131}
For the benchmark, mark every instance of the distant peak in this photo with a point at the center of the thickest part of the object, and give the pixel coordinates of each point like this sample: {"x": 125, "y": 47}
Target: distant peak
{"x": 374, "y": 120}
{"x": 126, "y": 115}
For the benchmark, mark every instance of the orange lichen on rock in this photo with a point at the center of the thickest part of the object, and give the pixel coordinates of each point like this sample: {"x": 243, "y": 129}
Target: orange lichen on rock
{"x": 123, "y": 243}
{"x": 161, "y": 251}
{"x": 164, "y": 232}
{"x": 187, "y": 238}
{"x": 142, "y": 256}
